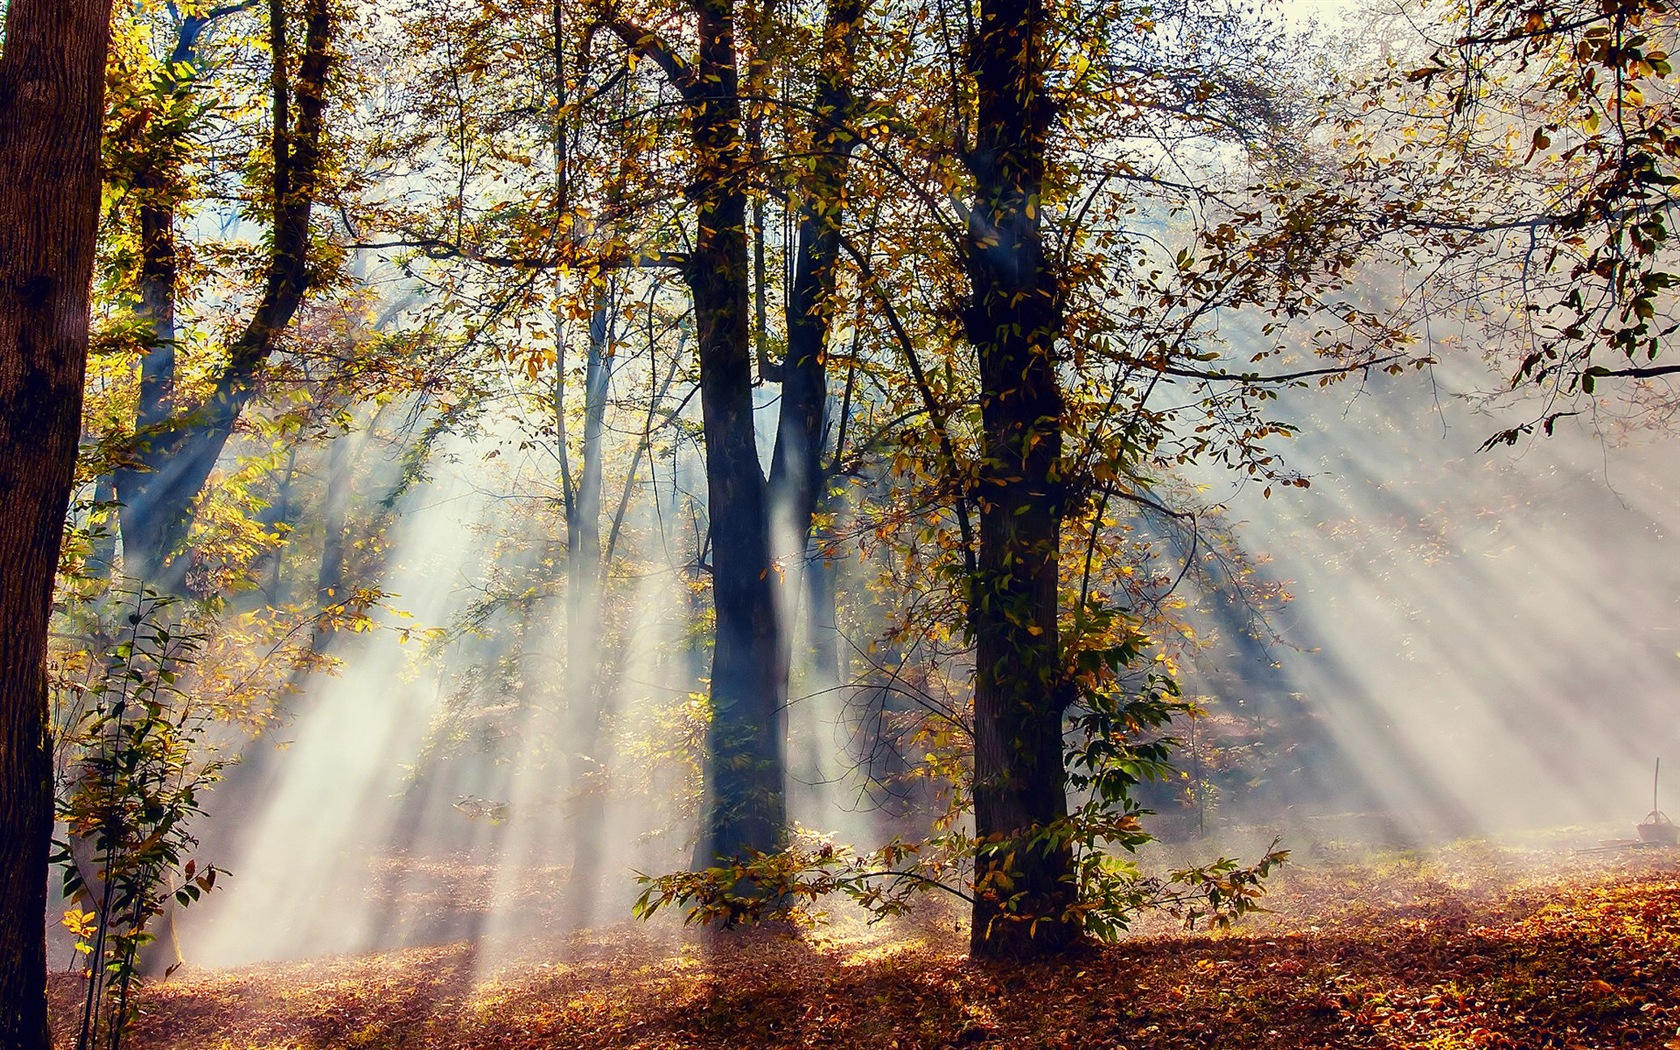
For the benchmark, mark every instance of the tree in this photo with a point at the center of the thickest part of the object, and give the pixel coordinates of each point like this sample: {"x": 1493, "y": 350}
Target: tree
{"x": 797, "y": 477}
{"x": 178, "y": 445}
{"x": 1013, "y": 322}
{"x": 1066, "y": 425}
{"x": 52, "y": 82}
{"x": 746, "y": 808}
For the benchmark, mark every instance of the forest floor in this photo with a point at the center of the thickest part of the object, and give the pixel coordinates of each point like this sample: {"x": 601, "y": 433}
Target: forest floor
{"x": 1471, "y": 946}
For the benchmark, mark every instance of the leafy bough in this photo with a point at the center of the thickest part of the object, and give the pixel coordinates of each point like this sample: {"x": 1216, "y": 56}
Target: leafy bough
{"x": 1115, "y": 744}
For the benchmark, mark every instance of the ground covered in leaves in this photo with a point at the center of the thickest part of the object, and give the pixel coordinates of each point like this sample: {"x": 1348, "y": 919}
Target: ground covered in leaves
{"x": 1470, "y": 947}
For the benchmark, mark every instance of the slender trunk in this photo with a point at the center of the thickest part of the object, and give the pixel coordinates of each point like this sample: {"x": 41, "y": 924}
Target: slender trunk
{"x": 335, "y": 514}
{"x": 768, "y": 371}
{"x": 155, "y": 187}
{"x": 155, "y": 410}
{"x": 279, "y": 518}
{"x": 823, "y": 623}
{"x": 796, "y": 472}
{"x": 1024, "y": 886}
{"x": 584, "y": 572}
{"x": 597, "y": 382}
{"x": 156, "y": 308}
{"x": 52, "y": 77}
{"x": 102, "y": 549}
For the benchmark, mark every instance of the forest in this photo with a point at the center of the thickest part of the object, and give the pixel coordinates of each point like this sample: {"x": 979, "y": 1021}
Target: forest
{"x": 765, "y": 523}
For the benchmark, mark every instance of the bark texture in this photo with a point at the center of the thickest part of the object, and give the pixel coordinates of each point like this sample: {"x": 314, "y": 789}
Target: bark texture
{"x": 1024, "y": 886}
{"x": 51, "y": 100}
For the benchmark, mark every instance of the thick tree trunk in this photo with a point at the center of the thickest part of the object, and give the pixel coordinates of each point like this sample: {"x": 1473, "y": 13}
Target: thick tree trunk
{"x": 52, "y": 78}
{"x": 1023, "y": 886}
{"x": 746, "y": 805}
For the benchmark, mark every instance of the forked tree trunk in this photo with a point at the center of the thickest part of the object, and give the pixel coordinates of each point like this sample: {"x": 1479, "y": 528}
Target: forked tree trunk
{"x": 1023, "y": 886}
{"x": 52, "y": 78}
{"x": 745, "y": 790}
{"x": 746, "y": 809}
{"x": 746, "y": 806}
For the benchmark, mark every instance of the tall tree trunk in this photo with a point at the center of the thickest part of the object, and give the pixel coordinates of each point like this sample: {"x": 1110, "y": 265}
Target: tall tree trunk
{"x": 156, "y": 185}
{"x": 52, "y": 79}
{"x": 585, "y": 572}
{"x": 1024, "y": 885}
{"x": 156, "y": 309}
{"x": 745, "y": 760}
{"x": 180, "y": 448}
{"x": 745, "y": 789}
{"x": 102, "y": 552}
{"x": 796, "y": 473}
{"x": 585, "y": 564}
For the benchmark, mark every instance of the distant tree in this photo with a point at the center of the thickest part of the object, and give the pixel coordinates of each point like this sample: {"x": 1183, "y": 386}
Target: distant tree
{"x": 178, "y": 443}
{"x": 52, "y": 80}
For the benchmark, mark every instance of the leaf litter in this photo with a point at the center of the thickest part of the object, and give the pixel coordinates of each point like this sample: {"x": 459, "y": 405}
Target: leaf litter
{"x": 1470, "y": 947}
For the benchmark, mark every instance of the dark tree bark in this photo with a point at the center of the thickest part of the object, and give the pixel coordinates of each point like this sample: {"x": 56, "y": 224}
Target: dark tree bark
{"x": 746, "y": 808}
{"x": 746, "y": 803}
{"x": 179, "y": 447}
{"x": 52, "y": 80}
{"x": 745, "y": 760}
{"x": 1023, "y": 886}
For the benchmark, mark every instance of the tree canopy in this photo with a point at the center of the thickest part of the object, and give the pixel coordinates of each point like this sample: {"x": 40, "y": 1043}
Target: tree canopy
{"x": 835, "y": 385}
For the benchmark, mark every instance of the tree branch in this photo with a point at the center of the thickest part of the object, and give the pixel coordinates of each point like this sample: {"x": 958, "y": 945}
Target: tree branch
{"x": 646, "y": 42}
{"x": 1598, "y": 371}
{"x": 439, "y": 248}
{"x": 1286, "y": 377}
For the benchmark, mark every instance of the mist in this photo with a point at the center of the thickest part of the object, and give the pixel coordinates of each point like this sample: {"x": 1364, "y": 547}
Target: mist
{"x": 1474, "y": 641}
